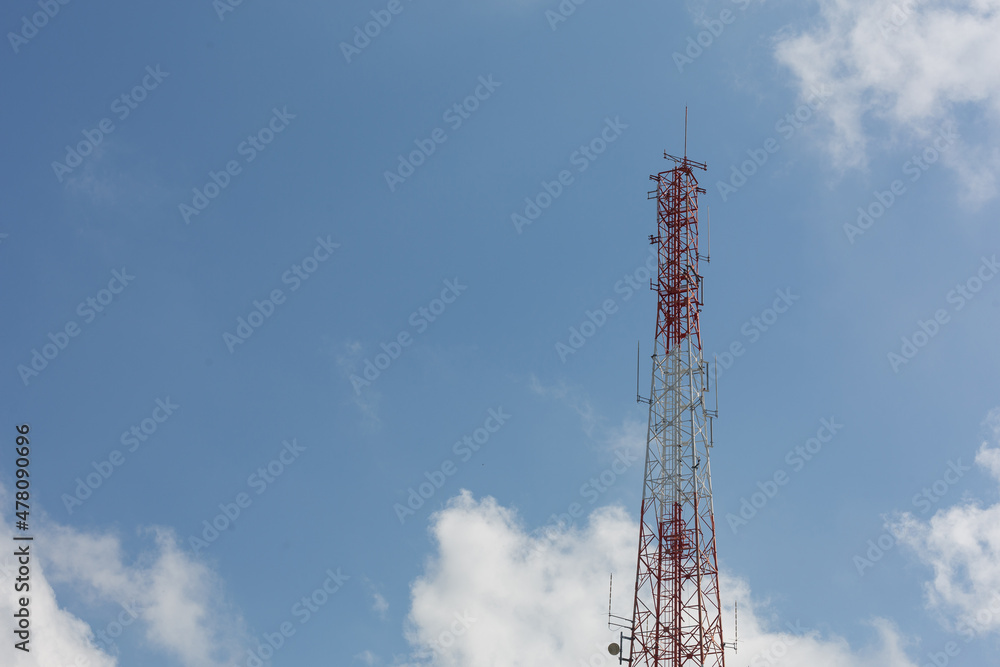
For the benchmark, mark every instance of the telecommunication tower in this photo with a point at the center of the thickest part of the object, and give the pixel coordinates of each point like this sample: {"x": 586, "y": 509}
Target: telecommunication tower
{"x": 677, "y": 616}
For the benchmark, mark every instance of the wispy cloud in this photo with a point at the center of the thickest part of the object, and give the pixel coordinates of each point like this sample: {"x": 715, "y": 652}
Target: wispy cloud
{"x": 572, "y": 397}
{"x": 349, "y": 357}
{"x": 380, "y": 605}
{"x": 630, "y": 435}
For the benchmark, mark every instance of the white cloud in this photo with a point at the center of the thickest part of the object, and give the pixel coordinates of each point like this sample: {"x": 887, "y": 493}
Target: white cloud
{"x": 57, "y": 637}
{"x": 494, "y": 594}
{"x": 793, "y": 646}
{"x": 164, "y": 593}
{"x": 962, "y": 546}
{"x": 178, "y": 599}
{"x": 910, "y": 65}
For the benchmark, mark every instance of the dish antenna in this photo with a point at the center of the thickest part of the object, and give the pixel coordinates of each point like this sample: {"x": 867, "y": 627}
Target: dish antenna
{"x": 615, "y": 648}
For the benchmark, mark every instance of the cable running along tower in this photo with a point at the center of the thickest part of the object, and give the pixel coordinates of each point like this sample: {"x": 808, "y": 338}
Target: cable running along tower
{"x": 676, "y": 618}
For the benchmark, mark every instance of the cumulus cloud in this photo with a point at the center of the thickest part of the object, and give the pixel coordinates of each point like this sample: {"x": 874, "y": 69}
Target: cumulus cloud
{"x": 494, "y": 593}
{"x": 962, "y": 546}
{"x": 907, "y": 66}
{"x": 174, "y": 600}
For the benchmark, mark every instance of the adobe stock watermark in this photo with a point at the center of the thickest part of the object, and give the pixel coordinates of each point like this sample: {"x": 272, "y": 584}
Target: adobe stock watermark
{"x": 270, "y": 643}
{"x": 924, "y": 500}
{"x": 464, "y": 449}
{"x": 562, "y": 12}
{"x": 122, "y": 106}
{"x": 249, "y": 149}
{"x": 774, "y": 654}
{"x": 714, "y": 28}
{"x": 796, "y": 459}
{"x": 629, "y": 284}
{"x": 420, "y": 320}
{"x": 914, "y": 167}
{"x": 114, "y": 629}
{"x": 294, "y": 277}
{"x": 581, "y": 158}
{"x": 943, "y": 657}
{"x": 37, "y": 21}
{"x": 896, "y": 17}
{"x": 223, "y": 7}
{"x": 446, "y": 638}
{"x": 88, "y": 310}
{"x": 591, "y": 491}
{"x": 926, "y": 330}
{"x": 968, "y": 628}
{"x": 259, "y": 481}
{"x": 455, "y": 116}
{"x": 754, "y": 328}
{"x": 984, "y": 620}
{"x": 132, "y": 439}
{"x": 365, "y": 33}
{"x": 786, "y": 126}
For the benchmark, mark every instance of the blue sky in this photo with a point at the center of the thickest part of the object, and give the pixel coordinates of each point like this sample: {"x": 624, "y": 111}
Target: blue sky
{"x": 235, "y": 187}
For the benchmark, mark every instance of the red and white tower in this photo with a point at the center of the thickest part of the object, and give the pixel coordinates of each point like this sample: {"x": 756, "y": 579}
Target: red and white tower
{"x": 676, "y": 617}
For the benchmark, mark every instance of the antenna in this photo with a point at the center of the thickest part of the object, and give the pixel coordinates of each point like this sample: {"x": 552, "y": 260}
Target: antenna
{"x": 638, "y": 396}
{"x": 614, "y": 621}
{"x": 716, "y": 386}
{"x": 685, "y": 132}
{"x": 736, "y": 630}
{"x": 611, "y": 581}
{"x": 618, "y": 648}
{"x": 712, "y": 414}
{"x": 708, "y": 235}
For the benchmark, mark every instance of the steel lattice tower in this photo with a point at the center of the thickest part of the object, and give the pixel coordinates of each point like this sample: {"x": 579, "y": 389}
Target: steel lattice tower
{"x": 677, "y": 616}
